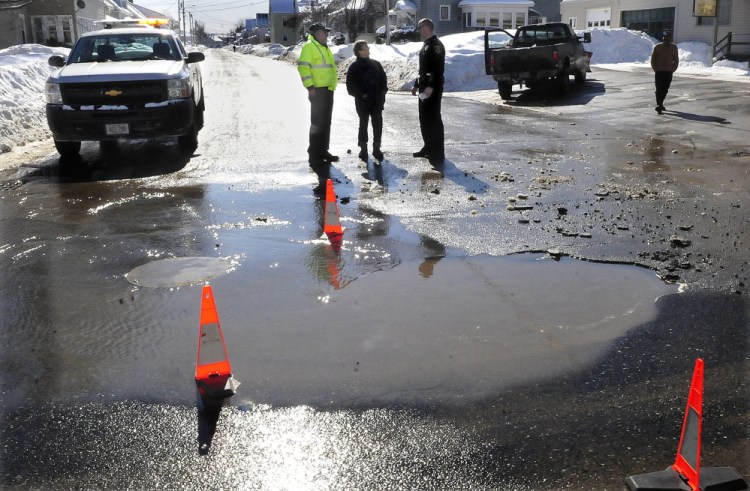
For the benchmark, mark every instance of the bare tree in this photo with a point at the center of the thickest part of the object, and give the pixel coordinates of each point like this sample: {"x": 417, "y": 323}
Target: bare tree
{"x": 199, "y": 31}
{"x": 356, "y": 15}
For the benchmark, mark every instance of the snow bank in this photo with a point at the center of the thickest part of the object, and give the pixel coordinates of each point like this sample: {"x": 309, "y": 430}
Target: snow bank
{"x": 23, "y": 70}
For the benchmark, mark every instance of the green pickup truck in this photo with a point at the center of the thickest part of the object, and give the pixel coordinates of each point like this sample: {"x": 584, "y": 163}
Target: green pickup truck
{"x": 535, "y": 54}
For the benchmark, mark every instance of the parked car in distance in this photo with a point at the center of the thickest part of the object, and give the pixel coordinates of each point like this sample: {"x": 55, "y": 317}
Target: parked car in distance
{"x": 337, "y": 39}
{"x": 398, "y": 34}
{"x": 536, "y": 54}
{"x": 126, "y": 81}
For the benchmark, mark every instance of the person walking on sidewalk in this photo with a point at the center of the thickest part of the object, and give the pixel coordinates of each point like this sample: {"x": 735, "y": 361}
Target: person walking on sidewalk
{"x": 664, "y": 61}
{"x": 367, "y": 83}
{"x": 317, "y": 68}
{"x": 429, "y": 85}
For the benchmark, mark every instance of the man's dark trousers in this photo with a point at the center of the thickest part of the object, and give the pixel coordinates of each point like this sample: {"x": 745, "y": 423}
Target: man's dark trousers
{"x": 321, "y": 111}
{"x": 662, "y": 80}
{"x": 366, "y": 113}
{"x": 431, "y": 124}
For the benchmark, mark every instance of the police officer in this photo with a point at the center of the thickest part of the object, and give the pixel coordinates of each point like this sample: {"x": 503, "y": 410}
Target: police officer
{"x": 317, "y": 68}
{"x": 429, "y": 85}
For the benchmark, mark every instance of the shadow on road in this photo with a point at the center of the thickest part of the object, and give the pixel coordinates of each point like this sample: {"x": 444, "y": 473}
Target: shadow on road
{"x": 111, "y": 161}
{"x": 209, "y": 410}
{"x": 698, "y": 117}
{"x": 546, "y": 95}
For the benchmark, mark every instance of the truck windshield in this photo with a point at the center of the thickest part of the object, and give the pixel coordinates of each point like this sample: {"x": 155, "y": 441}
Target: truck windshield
{"x": 124, "y": 47}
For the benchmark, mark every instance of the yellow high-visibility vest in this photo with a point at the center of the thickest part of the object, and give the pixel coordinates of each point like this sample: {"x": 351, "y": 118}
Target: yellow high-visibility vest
{"x": 316, "y": 65}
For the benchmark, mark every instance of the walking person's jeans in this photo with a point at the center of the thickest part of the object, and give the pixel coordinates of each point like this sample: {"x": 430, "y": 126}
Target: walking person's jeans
{"x": 662, "y": 80}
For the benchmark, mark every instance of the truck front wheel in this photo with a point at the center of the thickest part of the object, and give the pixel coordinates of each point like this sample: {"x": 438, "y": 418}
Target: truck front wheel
{"x": 67, "y": 149}
{"x": 189, "y": 142}
{"x": 505, "y": 89}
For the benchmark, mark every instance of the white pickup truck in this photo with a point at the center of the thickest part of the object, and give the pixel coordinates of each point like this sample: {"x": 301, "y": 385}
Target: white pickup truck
{"x": 125, "y": 83}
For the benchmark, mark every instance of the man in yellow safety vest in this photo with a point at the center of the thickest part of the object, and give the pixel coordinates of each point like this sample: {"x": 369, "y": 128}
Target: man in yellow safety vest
{"x": 317, "y": 68}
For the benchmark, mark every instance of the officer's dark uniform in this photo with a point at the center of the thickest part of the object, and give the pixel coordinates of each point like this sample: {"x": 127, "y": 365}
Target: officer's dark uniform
{"x": 431, "y": 69}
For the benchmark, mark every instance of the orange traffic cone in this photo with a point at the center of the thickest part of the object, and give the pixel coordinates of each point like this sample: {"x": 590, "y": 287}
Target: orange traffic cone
{"x": 332, "y": 221}
{"x": 213, "y": 373}
{"x": 686, "y": 473}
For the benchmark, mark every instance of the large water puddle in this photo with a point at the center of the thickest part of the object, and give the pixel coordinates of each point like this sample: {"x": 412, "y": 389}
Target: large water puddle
{"x": 439, "y": 330}
{"x": 446, "y": 330}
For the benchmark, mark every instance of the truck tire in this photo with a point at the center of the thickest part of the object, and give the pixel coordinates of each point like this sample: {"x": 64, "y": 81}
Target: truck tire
{"x": 68, "y": 149}
{"x": 564, "y": 79}
{"x": 580, "y": 76}
{"x": 201, "y": 109}
{"x": 189, "y": 142}
{"x": 505, "y": 89}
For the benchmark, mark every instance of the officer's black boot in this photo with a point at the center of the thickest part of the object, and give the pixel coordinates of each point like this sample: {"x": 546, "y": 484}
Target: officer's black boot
{"x": 363, "y": 152}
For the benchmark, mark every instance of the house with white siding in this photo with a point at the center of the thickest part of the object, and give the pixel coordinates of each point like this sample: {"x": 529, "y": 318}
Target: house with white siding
{"x": 729, "y": 29}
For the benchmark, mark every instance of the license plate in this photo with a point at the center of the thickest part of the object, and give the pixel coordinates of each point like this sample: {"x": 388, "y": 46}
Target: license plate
{"x": 117, "y": 129}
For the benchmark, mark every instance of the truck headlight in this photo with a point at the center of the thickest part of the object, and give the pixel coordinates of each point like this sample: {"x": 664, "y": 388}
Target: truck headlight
{"x": 179, "y": 88}
{"x": 52, "y": 93}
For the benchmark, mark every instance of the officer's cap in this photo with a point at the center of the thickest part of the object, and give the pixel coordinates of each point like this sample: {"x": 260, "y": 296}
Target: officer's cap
{"x": 318, "y": 26}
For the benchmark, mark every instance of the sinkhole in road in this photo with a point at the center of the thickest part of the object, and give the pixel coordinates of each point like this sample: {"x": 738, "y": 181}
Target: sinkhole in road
{"x": 439, "y": 329}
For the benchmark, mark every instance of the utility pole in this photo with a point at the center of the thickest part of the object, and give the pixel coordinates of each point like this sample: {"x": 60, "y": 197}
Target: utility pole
{"x": 387, "y": 24}
{"x": 192, "y": 31}
{"x": 184, "y": 20}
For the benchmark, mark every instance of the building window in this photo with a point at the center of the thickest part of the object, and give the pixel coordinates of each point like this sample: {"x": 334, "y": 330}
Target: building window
{"x": 573, "y": 22}
{"x": 67, "y": 30}
{"x": 445, "y": 12}
{"x": 520, "y": 19}
{"x": 725, "y": 11}
{"x": 480, "y": 19}
{"x": 467, "y": 19}
{"x": 651, "y": 21}
{"x": 507, "y": 20}
{"x": 494, "y": 19}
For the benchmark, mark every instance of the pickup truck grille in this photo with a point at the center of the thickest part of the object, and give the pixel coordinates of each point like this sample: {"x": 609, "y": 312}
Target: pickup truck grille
{"x": 114, "y": 93}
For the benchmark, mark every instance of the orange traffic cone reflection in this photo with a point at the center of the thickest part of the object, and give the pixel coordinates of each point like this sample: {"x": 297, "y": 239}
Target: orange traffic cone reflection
{"x": 332, "y": 221}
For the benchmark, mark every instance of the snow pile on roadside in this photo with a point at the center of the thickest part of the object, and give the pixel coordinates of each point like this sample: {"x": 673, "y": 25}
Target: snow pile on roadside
{"x": 619, "y": 46}
{"x": 23, "y": 70}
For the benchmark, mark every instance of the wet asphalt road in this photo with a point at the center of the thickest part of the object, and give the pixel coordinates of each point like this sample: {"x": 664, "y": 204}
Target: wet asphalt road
{"x": 421, "y": 355}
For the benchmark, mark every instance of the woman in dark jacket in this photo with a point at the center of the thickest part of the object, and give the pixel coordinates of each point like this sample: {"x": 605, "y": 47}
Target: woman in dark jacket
{"x": 366, "y": 81}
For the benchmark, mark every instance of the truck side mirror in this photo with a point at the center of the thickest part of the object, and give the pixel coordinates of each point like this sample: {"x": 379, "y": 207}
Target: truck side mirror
{"x": 586, "y": 37}
{"x": 195, "y": 56}
{"x": 56, "y": 61}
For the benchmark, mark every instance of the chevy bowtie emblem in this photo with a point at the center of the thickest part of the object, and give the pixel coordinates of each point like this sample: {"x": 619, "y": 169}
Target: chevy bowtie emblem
{"x": 113, "y": 93}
